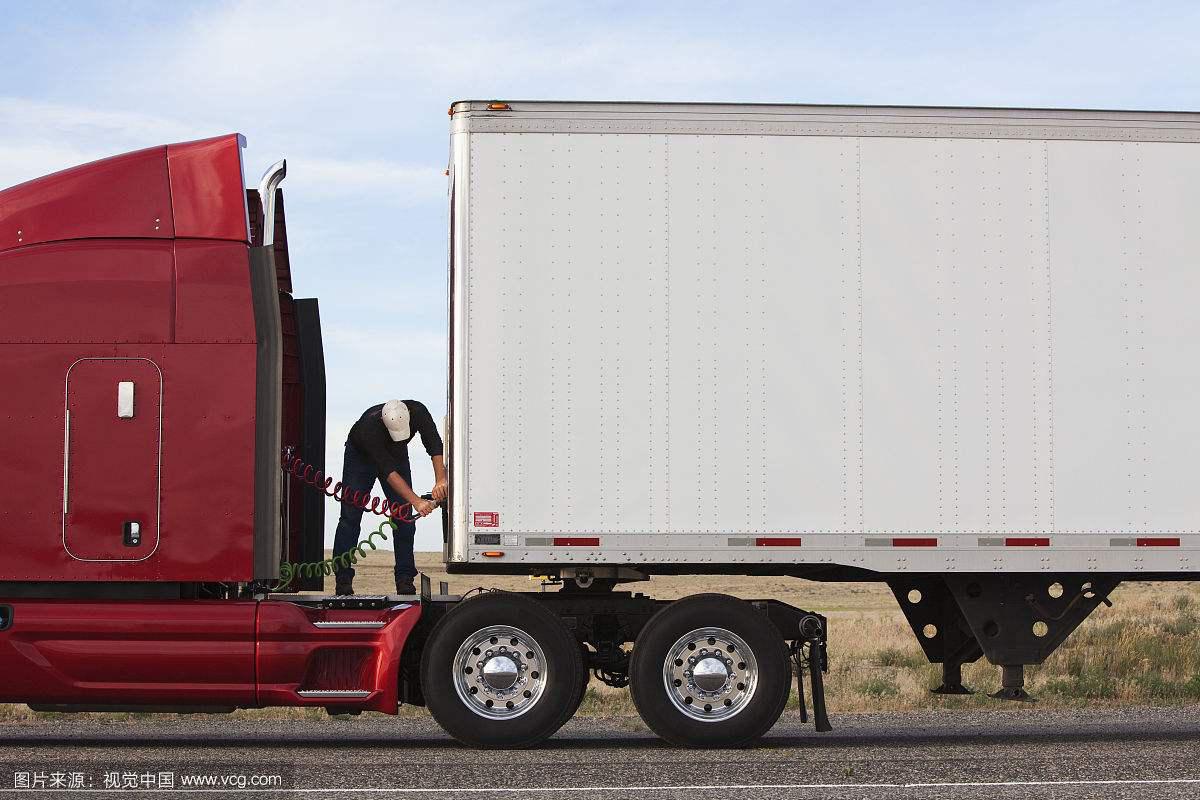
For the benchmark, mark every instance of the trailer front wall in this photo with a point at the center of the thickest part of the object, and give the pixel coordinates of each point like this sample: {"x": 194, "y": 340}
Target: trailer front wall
{"x": 950, "y": 352}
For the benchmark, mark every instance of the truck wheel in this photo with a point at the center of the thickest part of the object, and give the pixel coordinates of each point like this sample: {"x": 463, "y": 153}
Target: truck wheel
{"x": 583, "y": 685}
{"x": 500, "y": 671}
{"x": 710, "y": 671}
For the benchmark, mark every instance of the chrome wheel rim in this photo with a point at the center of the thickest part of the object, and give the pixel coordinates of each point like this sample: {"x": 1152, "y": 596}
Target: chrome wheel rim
{"x": 710, "y": 674}
{"x": 499, "y": 672}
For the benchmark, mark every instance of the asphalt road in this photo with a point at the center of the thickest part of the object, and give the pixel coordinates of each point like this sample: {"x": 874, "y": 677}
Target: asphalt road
{"x": 1029, "y": 753}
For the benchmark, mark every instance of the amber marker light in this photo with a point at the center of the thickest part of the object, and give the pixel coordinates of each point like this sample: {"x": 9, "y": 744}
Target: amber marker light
{"x": 499, "y": 107}
{"x": 493, "y": 553}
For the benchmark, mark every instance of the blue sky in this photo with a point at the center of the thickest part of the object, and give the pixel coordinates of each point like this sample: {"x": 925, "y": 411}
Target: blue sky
{"x": 355, "y": 94}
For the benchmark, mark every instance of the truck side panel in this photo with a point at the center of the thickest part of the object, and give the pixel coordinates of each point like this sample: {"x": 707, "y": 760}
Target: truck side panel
{"x": 114, "y": 291}
{"x": 193, "y": 652}
{"x": 207, "y": 478}
{"x": 918, "y": 340}
{"x": 1127, "y": 375}
{"x": 238, "y": 653}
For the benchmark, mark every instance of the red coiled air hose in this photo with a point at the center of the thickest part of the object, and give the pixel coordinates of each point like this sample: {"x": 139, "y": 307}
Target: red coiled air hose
{"x": 311, "y": 476}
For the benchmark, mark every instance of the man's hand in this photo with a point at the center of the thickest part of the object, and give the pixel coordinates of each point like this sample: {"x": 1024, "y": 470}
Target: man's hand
{"x": 423, "y": 506}
{"x": 439, "y": 491}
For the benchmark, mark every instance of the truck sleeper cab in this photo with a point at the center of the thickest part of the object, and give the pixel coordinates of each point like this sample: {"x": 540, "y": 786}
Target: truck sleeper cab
{"x": 161, "y": 367}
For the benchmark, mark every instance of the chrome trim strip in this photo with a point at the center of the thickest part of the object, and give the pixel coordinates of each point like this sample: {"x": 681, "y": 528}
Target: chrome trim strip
{"x": 245, "y": 195}
{"x": 341, "y": 694}
{"x": 458, "y": 467}
{"x": 66, "y": 463}
{"x": 350, "y": 623}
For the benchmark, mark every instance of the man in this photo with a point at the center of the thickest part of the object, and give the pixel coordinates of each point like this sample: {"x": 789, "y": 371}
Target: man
{"x": 377, "y": 448}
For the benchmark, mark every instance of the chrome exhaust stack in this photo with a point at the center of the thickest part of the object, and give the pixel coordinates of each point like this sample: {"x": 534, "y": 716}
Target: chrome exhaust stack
{"x": 266, "y": 193}
{"x": 268, "y": 392}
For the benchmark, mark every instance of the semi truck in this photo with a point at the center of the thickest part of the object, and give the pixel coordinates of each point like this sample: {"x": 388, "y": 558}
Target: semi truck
{"x": 951, "y": 350}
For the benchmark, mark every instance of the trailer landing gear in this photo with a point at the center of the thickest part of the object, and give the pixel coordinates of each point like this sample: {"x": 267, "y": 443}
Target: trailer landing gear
{"x": 940, "y": 627}
{"x": 951, "y": 680}
{"x": 1012, "y": 684}
{"x": 1013, "y": 620}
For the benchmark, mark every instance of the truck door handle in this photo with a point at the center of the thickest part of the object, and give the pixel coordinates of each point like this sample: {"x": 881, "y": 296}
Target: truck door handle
{"x": 125, "y": 400}
{"x": 6, "y": 617}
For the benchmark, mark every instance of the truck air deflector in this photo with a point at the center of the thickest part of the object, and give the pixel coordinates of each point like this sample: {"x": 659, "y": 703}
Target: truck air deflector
{"x": 186, "y": 190}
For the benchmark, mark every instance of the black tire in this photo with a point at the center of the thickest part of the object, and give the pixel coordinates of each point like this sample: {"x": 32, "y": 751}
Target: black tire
{"x": 754, "y": 713}
{"x": 583, "y": 684}
{"x": 560, "y": 675}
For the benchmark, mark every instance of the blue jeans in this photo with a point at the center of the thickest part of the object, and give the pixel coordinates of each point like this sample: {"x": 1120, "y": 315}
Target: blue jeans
{"x": 359, "y": 475}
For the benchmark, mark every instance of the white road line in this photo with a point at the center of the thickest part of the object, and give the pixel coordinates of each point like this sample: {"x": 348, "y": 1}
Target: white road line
{"x": 675, "y": 788}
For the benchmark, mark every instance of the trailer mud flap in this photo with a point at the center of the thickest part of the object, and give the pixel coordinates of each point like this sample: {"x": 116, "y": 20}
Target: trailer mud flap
{"x": 807, "y": 635}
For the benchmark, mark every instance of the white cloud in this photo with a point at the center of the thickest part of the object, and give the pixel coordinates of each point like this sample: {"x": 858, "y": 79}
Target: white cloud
{"x": 20, "y": 162}
{"x": 34, "y": 117}
{"x": 42, "y": 137}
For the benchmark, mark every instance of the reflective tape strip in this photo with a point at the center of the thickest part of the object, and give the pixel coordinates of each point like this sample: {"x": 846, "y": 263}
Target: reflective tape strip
{"x": 741, "y": 541}
{"x": 1027, "y": 541}
{"x": 914, "y": 541}
{"x": 1159, "y": 541}
{"x": 872, "y": 541}
{"x": 562, "y": 541}
{"x": 1144, "y": 541}
{"x": 576, "y": 541}
{"x": 777, "y": 541}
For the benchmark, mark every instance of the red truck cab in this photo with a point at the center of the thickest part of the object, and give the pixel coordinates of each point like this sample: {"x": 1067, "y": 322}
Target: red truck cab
{"x": 155, "y": 367}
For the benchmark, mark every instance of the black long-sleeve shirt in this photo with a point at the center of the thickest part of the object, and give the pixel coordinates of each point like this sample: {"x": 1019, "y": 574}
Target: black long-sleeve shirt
{"x": 372, "y": 439}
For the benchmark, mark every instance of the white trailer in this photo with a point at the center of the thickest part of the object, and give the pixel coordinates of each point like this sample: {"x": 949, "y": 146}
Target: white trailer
{"x": 955, "y": 350}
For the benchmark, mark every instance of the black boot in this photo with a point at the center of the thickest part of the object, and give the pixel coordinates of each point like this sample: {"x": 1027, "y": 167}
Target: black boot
{"x": 345, "y": 587}
{"x": 408, "y": 587}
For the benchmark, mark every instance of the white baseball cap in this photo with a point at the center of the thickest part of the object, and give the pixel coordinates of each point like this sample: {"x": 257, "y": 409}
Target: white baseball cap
{"x": 396, "y": 420}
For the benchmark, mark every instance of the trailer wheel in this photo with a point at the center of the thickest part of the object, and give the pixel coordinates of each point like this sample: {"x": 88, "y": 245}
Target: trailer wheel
{"x": 583, "y": 685}
{"x": 710, "y": 671}
{"x": 501, "y": 671}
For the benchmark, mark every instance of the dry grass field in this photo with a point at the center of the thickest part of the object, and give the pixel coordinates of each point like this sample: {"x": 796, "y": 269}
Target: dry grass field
{"x": 1145, "y": 650}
